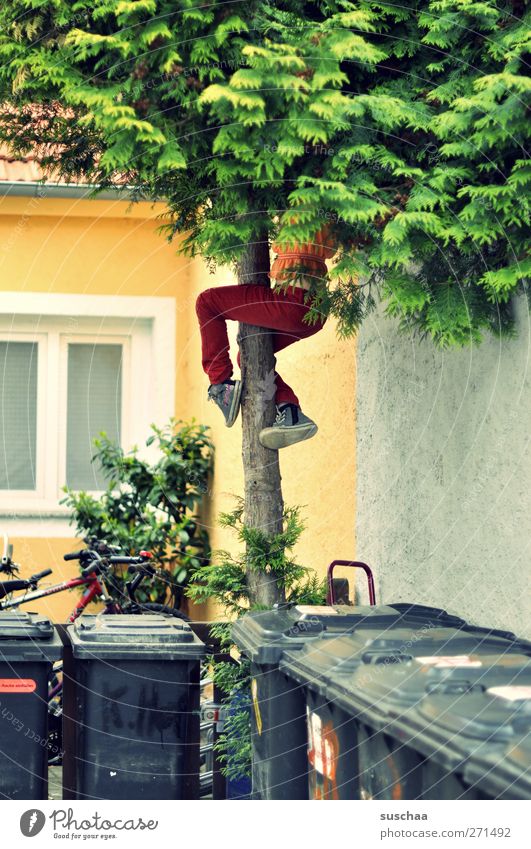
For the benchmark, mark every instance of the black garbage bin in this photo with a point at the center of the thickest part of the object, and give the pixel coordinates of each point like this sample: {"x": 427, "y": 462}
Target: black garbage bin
{"x": 278, "y": 716}
{"x": 357, "y": 689}
{"x": 28, "y": 648}
{"x": 505, "y": 772}
{"x": 507, "y": 776}
{"x": 477, "y": 742}
{"x": 131, "y": 708}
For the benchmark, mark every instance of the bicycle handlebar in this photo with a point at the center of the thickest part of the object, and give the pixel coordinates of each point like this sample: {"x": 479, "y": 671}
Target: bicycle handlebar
{"x": 36, "y": 578}
{"x": 99, "y": 561}
{"x": 143, "y": 558}
{"x": 74, "y": 555}
{"x": 93, "y": 567}
{"x": 18, "y": 584}
{"x": 13, "y": 586}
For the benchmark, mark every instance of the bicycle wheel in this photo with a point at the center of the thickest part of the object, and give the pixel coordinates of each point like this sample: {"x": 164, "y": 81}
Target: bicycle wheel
{"x": 150, "y": 607}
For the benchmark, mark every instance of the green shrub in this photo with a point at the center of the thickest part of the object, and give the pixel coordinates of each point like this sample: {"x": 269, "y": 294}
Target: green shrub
{"x": 153, "y": 506}
{"x": 406, "y": 126}
{"x": 224, "y": 580}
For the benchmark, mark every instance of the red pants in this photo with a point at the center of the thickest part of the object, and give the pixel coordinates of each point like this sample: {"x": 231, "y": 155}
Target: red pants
{"x": 280, "y": 312}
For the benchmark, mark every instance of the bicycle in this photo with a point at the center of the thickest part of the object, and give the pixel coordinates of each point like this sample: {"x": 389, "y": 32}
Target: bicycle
{"x": 97, "y": 577}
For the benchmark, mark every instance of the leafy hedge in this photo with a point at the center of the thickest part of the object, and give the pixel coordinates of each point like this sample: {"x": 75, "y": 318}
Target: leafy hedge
{"x": 404, "y": 126}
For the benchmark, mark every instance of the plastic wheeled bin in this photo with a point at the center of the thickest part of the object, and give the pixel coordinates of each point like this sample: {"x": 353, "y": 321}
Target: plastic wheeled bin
{"x": 355, "y": 691}
{"x": 278, "y": 715}
{"x": 508, "y": 777}
{"x": 401, "y": 754}
{"x": 505, "y": 774}
{"x": 477, "y": 742}
{"x": 28, "y": 648}
{"x": 131, "y": 708}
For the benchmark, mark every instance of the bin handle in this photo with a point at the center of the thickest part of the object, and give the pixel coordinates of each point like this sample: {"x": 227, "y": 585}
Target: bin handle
{"x": 355, "y": 564}
{"x": 382, "y": 656}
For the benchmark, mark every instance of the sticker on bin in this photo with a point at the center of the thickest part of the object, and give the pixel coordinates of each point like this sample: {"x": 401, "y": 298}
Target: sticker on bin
{"x": 315, "y": 740}
{"x": 451, "y": 660}
{"x": 316, "y": 610}
{"x": 511, "y": 693}
{"x": 323, "y": 751}
{"x": 17, "y": 685}
{"x": 256, "y": 705}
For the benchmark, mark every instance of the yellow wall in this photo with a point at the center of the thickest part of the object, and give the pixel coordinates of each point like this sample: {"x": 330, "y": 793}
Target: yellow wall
{"x": 104, "y": 247}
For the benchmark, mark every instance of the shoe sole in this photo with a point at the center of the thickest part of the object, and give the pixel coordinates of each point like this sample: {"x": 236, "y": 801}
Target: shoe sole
{"x": 235, "y": 406}
{"x": 274, "y": 438}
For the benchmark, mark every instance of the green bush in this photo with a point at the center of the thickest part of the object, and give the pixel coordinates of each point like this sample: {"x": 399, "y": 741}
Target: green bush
{"x": 152, "y": 506}
{"x": 224, "y": 580}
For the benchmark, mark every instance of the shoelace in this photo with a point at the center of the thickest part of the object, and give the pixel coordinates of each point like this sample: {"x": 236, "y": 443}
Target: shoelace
{"x": 280, "y": 417}
{"x": 225, "y": 394}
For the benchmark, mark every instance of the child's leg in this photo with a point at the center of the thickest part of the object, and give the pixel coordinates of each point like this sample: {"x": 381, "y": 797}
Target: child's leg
{"x": 251, "y": 304}
{"x": 214, "y": 339}
{"x": 284, "y": 394}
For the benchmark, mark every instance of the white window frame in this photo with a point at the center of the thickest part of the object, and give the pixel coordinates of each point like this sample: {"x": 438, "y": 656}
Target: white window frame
{"x": 146, "y": 326}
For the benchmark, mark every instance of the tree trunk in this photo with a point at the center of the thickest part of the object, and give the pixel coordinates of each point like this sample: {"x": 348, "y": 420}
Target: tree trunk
{"x": 263, "y": 492}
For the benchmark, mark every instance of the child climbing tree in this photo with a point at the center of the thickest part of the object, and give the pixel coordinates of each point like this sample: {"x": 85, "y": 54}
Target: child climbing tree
{"x": 401, "y": 128}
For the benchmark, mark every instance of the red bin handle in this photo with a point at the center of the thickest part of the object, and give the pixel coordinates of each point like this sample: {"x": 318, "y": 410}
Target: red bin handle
{"x": 355, "y": 564}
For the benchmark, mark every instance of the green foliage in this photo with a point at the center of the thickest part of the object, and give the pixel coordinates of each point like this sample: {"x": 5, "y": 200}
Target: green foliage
{"x": 224, "y": 577}
{"x": 404, "y": 126}
{"x": 224, "y": 580}
{"x": 152, "y": 505}
{"x": 234, "y": 743}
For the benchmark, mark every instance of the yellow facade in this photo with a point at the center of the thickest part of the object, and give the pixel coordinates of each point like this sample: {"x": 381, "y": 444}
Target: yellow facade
{"x": 78, "y": 246}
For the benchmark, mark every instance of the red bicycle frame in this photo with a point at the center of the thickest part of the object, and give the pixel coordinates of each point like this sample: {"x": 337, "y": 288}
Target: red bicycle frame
{"x": 93, "y": 590}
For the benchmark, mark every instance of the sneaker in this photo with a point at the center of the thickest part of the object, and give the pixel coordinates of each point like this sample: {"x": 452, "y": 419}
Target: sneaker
{"x": 227, "y": 396}
{"x": 291, "y": 426}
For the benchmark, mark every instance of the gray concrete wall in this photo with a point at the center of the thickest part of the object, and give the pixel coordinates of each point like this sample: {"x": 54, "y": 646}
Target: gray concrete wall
{"x": 444, "y": 472}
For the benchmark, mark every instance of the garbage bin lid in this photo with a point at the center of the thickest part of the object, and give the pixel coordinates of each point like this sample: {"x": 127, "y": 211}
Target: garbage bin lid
{"x": 26, "y": 637}
{"x": 314, "y": 663}
{"x": 433, "y": 615}
{"x": 20, "y": 625}
{"x": 318, "y": 664}
{"x": 389, "y": 688}
{"x": 408, "y": 642}
{"x": 489, "y": 714}
{"x": 264, "y": 635}
{"x": 503, "y": 770}
{"x": 98, "y": 635}
{"x": 518, "y": 754}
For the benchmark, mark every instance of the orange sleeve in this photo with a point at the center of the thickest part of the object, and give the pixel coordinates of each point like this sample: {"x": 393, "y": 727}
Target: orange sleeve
{"x": 322, "y": 246}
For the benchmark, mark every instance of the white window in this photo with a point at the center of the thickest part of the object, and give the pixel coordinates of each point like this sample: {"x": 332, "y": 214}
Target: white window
{"x": 71, "y": 367}
{"x": 97, "y": 373}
